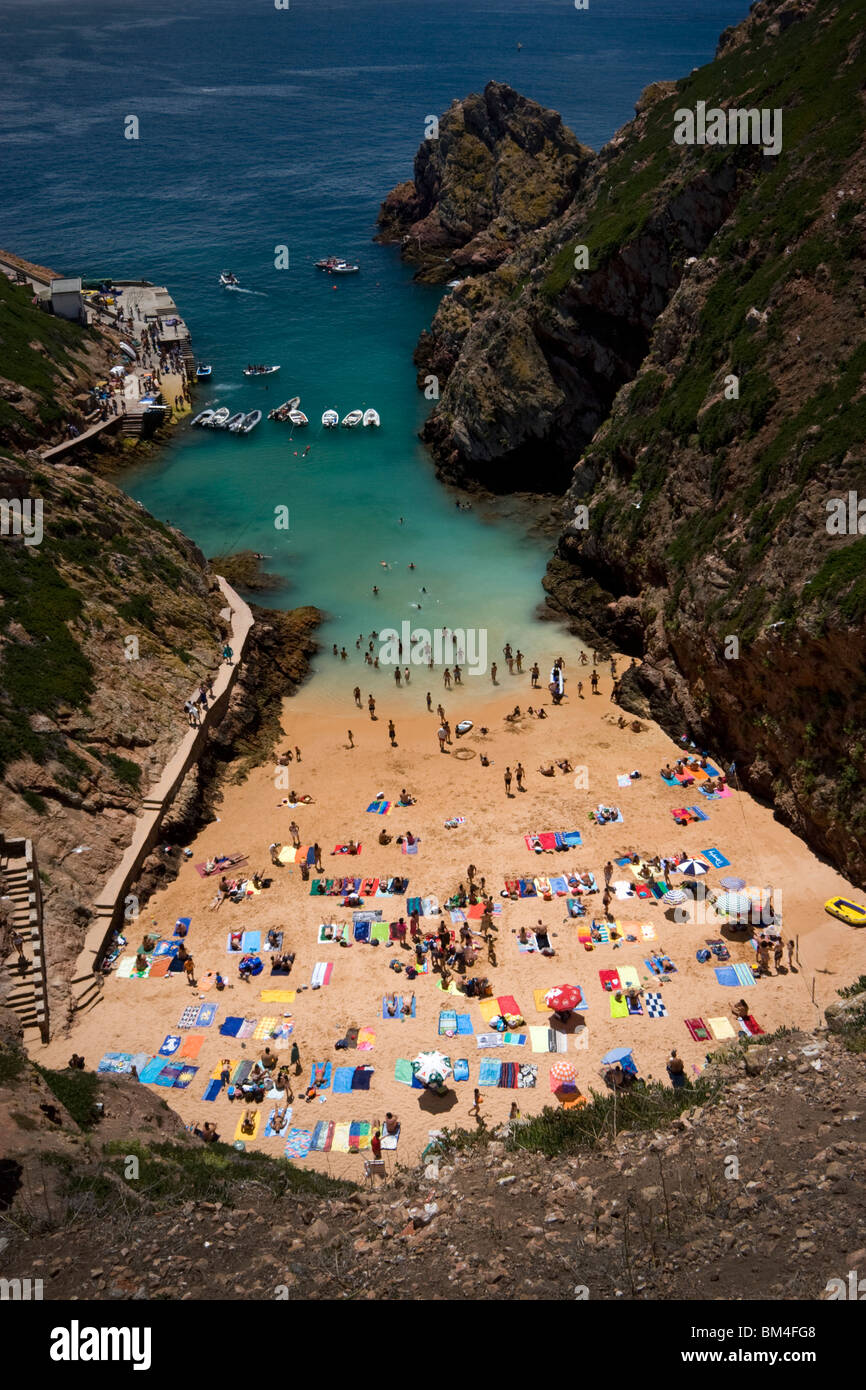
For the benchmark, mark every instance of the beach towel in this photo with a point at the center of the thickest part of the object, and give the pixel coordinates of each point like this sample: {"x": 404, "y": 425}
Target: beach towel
{"x": 540, "y": 1005}
{"x": 247, "y": 1028}
{"x": 151, "y": 1070}
{"x": 326, "y": 1080}
{"x": 322, "y": 972}
{"x": 168, "y": 1075}
{"x": 277, "y": 996}
{"x": 642, "y": 890}
{"x": 528, "y": 946}
{"x": 170, "y": 1045}
{"x": 403, "y": 1071}
{"x": 618, "y": 1007}
{"x": 461, "y": 1069}
{"x": 265, "y": 1028}
{"x": 342, "y": 1083}
{"x": 648, "y": 932}
{"x": 514, "y": 1039}
{"x": 410, "y": 849}
{"x": 124, "y": 968}
{"x": 527, "y": 1075}
{"x": 508, "y": 1005}
{"x": 212, "y": 1090}
{"x": 166, "y": 948}
{"x": 269, "y": 1131}
{"x": 698, "y": 1029}
{"x": 628, "y": 976}
{"x": 448, "y": 1022}
{"x": 682, "y": 814}
{"x": 322, "y": 1137}
{"x": 464, "y": 1025}
{"x": 655, "y": 1005}
{"x": 118, "y": 1063}
{"x": 399, "y": 1014}
{"x": 623, "y": 779}
{"x": 380, "y": 808}
{"x": 721, "y": 1028}
{"x": 298, "y": 1143}
{"x": 489, "y": 1072}
{"x": 634, "y": 1005}
{"x": 669, "y": 781}
{"x": 366, "y": 1039}
{"x": 716, "y": 858}
{"x": 429, "y": 907}
{"x": 241, "y": 1072}
{"x": 526, "y": 888}
{"x": 559, "y": 886}
{"x": 745, "y": 974}
{"x": 750, "y": 1026}
{"x": 609, "y": 979}
{"x": 187, "y": 1075}
{"x": 616, "y": 820}
{"x": 206, "y": 1015}
{"x": 380, "y": 932}
{"x": 489, "y": 1039}
{"x": 340, "y": 1140}
{"x": 191, "y": 1045}
{"x": 189, "y": 1016}
{"x": 698, "y": 813}
{"x": 361, "y": 1078}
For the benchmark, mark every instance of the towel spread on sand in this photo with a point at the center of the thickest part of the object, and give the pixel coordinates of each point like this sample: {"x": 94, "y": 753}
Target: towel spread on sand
{"x": 655, "y": 1007}
{"x": 721, "y": 1028}
{"x": 618, "y": 1007}
{"x": 298, "y": 1143}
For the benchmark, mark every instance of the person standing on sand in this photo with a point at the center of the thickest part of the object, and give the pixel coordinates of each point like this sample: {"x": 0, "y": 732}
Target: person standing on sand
{"x": 477, "y": 1102}
{"x": 295, "y": 1058}
{"x": 446, "y": 678}
{"x": 519, "y": 774}
{"x": 397, "y": 676}
{"x": 392, "y": 733}
{"x": 318, "y": 858}
{"x": 357, "y": 695}
{"x": 778, "y": 951}
{"x": 228, "y": 654}
{"x": 441, "y": 735}
{"x": 471, "y": 872}
{"x": 429, "y": 702}
{"x": 493, "y": 669}
{"x": 441, "y": 713}
{"x": 351, "y": 739}
{"x": 518, "y": 657}
{"x": 593, "y": 680}
{"x": 535, "y": 673}
{"x": 189, "y": 971}
{"x": 507, "y": 780}
{"x": 608, "y": 873}
{"x": 295, "y": 832}
{"x": 790, "y": 955}
{"x": 371, "y": 706}
{"x": 376, "y": 1143}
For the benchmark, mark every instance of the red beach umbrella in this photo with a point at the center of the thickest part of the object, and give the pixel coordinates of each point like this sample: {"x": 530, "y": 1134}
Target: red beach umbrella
{"x": 563, "y": 1074}
{"x": 563, "y": 998}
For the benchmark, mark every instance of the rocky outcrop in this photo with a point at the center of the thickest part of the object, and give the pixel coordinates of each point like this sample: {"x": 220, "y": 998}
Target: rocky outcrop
{"x": 494, "y": 167}
{"x": 681, "y": 352}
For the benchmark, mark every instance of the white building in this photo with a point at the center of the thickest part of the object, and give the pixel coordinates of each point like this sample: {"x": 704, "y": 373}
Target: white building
{"x": 66, "y": 300}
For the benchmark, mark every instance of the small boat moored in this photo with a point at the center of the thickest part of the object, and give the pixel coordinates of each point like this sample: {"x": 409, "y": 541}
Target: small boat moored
{"x": 353, "y": 418}
{"x": 250, "y": 421}
{"x": 204, "y": 417}
{"x": 128, "y": 351}
{"x": 343, "y": 268}
{"x": 235, "y": 422}
{"x": 298, "y": 417}
{"x": 219, "y": 419}
{"x": 281, "y": 412}
{"x": 371, "y": 417}
{"x": 261, "y": 370}
{"x": 330, "y": 419}
{"x": 202, "y": 372}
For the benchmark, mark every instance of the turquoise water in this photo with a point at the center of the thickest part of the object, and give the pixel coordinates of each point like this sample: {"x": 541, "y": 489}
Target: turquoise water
{"x": 262, "y": 128}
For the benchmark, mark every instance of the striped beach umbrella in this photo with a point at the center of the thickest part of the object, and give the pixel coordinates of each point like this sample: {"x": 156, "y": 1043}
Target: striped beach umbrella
{"x": 693, "y": 867}
{"x": 733, "y": 883}
{"x": 733, "y": 905}
{"x": 563, "y": 1074}
{"x": 675, "y": 895}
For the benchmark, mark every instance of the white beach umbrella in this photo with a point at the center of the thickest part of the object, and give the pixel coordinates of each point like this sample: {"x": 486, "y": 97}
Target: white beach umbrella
{"x": 432, "y": 1068}
{"x": 674, "y": 895}
{"x": 733, "y": 904}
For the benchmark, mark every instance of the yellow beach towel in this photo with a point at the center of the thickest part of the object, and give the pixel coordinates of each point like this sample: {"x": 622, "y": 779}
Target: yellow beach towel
{"x": 215, "y": 1074}
{"x": 489, "y": 1008}
{"x": 538, "y": 995}
{"x": 618, "y": 1007}
{"x": 628, "y": 977}
{"x": 278, "y": 996}
{"x": 287, "y": 854}
{"x": 265, "y": 1027}
{"x": 721, "y": 1028}
{"x": 239, "y": 1134}
{"x": 340, "y": 1141}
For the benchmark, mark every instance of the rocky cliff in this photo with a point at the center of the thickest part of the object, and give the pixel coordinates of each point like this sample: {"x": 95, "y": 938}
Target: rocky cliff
{"x": 108, "y": 623}
{"x": 681, "y": 352}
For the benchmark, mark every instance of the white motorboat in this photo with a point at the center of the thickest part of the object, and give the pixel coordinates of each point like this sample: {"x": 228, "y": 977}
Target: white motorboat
{"x": 220, "y": 418}
{"x": 371, "y": 417}
{"x": 261, "y": 371}
{"x": 282, "y": 412}
{"x": 343, "y": 268}
{"x": 130, "y": 352}
{"x": 235, "y": 422}
{"x": 228, "y": 279}
{"x": 298, "y": 417}
{"x": 353, "y": 418}
{"x": 330, "y": 419}
{"x": 204, "y": 417}
{"x": 250, "y": 421}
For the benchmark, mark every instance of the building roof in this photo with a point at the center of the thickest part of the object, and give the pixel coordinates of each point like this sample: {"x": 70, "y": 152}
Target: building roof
{"x": 66, "y": 286}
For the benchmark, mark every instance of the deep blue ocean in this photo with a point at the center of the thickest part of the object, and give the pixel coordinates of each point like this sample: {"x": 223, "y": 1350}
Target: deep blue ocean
{"x": 262, "y": 127}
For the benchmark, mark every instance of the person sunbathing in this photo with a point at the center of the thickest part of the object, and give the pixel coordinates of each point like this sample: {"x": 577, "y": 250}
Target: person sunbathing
{"x": 274, "y": 937}
{"x": 398, "y": 885}
{"x": 248, "y": 1123}
{"x": 564, "y": 765}
{"x": 235, "y": 940}
{"x": 547, "y": 771}
{"x": 408, "y": 1006}
{"x": 140, "y": 962}
{"x": 319, "y": 1072}
{"x": 280, "y": 1119}
{"x": 741, "y": 1009}
{"x": 391, "y": 1005}
{"x": 351, "y": 847}
{"x": 310, "y": 1094}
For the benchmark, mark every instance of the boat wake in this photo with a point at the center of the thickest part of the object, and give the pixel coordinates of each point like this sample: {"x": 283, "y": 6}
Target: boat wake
{"x": 239, "y": 289}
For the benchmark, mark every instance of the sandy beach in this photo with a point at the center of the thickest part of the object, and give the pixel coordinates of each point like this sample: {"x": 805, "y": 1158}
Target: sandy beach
{"x": 135, "y": 1015}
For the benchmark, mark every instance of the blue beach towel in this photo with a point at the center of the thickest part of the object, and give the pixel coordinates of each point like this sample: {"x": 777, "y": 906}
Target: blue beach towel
{"x": 151, "y": 1071}
{"x": 701, "y": 815}
{"x": 212, "y": 1090}
{"x": 461, "y": 1069}
{"x": 489, "y": 1072}
{"x": 230, "y": 1027}
{"x": 342, "y": 1083}
{"x": 464, "y": 1024}
{"x": 171, "y": 1043}
{"x": 182, "y": 922}
{"x": 671, "y": 781}
{"x": 716, "y": 858}
{"x": 167, "y": 948}
{"x": 206, "y": 1015}
{"x": 572, "y": 838}
{"x": 727, "y": 975}
{"x": 744, "y": 974}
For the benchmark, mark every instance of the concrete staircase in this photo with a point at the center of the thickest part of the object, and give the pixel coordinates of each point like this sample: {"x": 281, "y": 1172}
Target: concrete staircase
{"x": 23, "y": 987}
